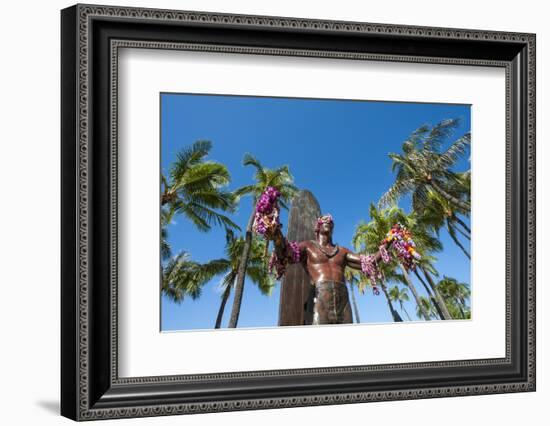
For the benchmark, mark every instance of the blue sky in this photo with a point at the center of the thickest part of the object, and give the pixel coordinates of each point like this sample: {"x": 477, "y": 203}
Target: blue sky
{"x": 337, "y": 149}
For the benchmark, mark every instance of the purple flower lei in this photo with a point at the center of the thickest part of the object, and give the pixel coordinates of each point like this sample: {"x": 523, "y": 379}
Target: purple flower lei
{"x": 384, "y": 254}
{"x": 296, "y": 257}
{"x": 327, "y": 218}
{"x": 266, "y": 217}
{"x": 370, "y": 268}
{"x": 266, "y": 222}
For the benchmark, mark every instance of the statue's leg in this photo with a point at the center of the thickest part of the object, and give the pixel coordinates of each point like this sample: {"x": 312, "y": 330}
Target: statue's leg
{"x": 343, "y": 307}
{"x": 323, "y": 304}
{"x": 347, "y": 318}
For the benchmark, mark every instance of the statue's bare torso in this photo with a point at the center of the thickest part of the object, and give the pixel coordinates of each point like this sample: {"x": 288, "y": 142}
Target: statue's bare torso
{"x": 322, "y": 267}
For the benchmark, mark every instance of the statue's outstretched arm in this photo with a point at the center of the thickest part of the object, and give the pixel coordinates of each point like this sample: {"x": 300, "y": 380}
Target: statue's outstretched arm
{"x": 288, "y": 250}
{"x": 285, "y": 252}
{"x": 353, "y": 260}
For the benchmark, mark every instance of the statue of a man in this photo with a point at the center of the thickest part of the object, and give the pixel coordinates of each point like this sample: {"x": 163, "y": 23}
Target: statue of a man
{"x": 325, "y": 263}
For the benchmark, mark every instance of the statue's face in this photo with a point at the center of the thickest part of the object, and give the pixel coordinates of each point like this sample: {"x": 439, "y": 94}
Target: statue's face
{"x": 325, "y": 224}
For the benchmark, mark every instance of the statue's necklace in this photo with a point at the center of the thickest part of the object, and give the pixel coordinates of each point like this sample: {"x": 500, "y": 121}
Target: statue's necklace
{"x": 329, "y": 255}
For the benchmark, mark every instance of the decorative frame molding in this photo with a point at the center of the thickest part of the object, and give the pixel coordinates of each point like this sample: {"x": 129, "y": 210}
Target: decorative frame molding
{"x": 91, "y": 37}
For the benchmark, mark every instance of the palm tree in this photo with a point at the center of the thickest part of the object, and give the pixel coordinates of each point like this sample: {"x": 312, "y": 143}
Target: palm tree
{"x": 420, "y": 304}
{"x": 455, "y": 294}
{"x": 423, "y": 167}
{"x": 353, "y": 281}
{"x": 183, "y": 277}
{"x": 367, "y": 238}
{"x": 439, "y": 213}
{"x": 255, "y": 271}
{"x": 438, "y": 300}
{"x": 400, "y": 296}
{"x": 462, "y": 189}
{"x": 426, "y": 306}
{"x": 165, "y": 248}
{"x": 362, "y": 284}
{"x": 263, "y": 177}
{"x": 194, "y": 188}
{"x": 431, "y": 296}
{"x": 426, "y": 244}
{"x": 389, "y": 275}
{"x": 426, "y": 266}
{"x": 395, "y": 315}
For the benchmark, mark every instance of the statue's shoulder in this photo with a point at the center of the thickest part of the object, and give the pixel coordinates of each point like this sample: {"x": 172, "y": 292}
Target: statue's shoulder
{"x": 308, "y": 244}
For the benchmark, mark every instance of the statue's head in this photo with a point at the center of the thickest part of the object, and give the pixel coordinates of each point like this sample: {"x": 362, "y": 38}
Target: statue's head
{"x": 324, "y": 225}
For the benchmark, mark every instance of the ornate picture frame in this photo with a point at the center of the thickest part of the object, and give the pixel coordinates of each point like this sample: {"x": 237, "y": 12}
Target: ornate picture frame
{"x": 90, "y": 38}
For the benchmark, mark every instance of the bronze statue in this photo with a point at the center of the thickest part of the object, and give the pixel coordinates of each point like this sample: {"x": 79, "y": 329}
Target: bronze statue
{"x": 325, "y": 263}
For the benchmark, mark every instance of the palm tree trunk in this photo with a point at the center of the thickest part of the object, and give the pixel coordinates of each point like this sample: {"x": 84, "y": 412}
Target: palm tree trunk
{"x": 459, "y": 203}
{"x": 411, "y": 286}
{"x": 395, "y": 315}
{"x": 241, "y": 271}
{"x": 439, "y": 299}
{"x": 466, "y": 227}
{"x": 461, "y": 309}
{"x": 225, "y": 297}
{"x": 428, "y": 290}
{"x": 430, "y": 295}
{"x": 406, "y": 313}
{"x": 459, "y": 244}
{"x": 354, "y": 302}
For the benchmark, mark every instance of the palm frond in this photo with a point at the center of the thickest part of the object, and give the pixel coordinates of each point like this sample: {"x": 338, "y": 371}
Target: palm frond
{"x": 188, "y": 157}
{"x": 209, "y": 175}
{"x": 203, "y": 217}
{"x": 246, "y": 190}
{"x": 165, "y": 249}
{"x": 250, "y": 160}
{"x": 439, "y": 133}
{"x": 196, "y": 217}
{"x": 213, "y": 198}
{"x": 448, "y": 158}
{"x": 397, "y": 190}
{"x": 260, "y": 276}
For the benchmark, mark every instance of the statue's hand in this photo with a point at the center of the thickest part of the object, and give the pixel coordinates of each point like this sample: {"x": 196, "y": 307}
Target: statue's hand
{"x": 278, "y": 236}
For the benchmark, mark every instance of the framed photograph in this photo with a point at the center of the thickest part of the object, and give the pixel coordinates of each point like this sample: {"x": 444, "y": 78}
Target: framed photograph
{"x": 264, "y": 212}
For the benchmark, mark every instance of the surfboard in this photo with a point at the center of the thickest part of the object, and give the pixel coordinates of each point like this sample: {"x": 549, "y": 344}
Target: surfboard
{"x": 296, "y": 295}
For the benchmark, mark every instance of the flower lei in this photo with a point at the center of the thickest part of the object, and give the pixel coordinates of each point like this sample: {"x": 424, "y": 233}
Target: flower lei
{"x": 266, "y": 222}
{"x": 400, "y": 241}
{"x": 327, "y": 218}
{"x": 266, "y": 218}
{"x": 370, "y": 269}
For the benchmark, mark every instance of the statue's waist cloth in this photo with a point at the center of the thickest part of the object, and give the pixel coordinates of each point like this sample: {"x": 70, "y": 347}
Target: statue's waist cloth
{"x": 331, "y": 303}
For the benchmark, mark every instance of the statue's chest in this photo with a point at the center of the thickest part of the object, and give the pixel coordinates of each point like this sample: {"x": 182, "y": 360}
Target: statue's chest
{"x": 317, "y": 256}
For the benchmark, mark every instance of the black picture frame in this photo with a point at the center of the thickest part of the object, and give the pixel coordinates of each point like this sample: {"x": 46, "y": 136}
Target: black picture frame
{"x": 90, "y": 386}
